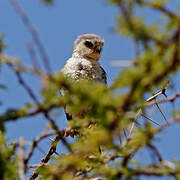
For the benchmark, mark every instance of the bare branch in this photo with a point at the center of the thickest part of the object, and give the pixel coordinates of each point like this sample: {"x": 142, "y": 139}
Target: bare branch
{"x": 33, "y": 56}
{"x": 45, "y": 160}
{"x": 33, "y": 166}
{"x": 129, "y": 156}
{"x": 21, "y": 159}
{"x": 24, "y": 84}
{"x": 34, "y": 112}
{"x": 155, "y": 150}
{"x": 159, "y": 7}
{"x": 168, "y": 99}
{"x": 151, "y": 172}
{"x": 34, "y": 34}
{"x": 164, "y": 125}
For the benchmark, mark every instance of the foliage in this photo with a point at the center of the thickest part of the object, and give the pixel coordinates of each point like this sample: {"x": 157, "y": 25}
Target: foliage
{"x": 1, "y": 43}
{"x": 8, "y": 159}
{"x": 110, "y": 154}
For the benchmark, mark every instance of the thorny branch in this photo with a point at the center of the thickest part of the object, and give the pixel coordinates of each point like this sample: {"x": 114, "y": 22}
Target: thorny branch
{"x": 23, "y": 161}
{"x": 46, "y": 115}
{"x": 45, "y": 160}
{"x": 59, "y": 136}
{"x": 35, "y": 142}
{"x": 163, "y": 100}
{"x": 53, "y": 148}
{"x": 47, "y": 157}
{"x": 174, "y": 62}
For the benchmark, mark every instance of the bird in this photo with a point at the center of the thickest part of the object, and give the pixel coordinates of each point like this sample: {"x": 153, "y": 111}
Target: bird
{"x": 83, "y": 64}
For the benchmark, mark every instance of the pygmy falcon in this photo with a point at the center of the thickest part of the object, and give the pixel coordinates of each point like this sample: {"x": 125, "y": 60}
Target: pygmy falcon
{"x": 84, "y": 63}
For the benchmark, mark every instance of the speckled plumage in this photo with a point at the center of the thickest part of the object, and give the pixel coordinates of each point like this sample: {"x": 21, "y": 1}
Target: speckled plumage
{"x": 78, "y": 68}
{"x": 84, "y": 61}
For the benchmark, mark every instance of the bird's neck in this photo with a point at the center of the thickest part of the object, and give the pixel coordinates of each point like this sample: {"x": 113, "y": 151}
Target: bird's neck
{"x": 76, "y": 55}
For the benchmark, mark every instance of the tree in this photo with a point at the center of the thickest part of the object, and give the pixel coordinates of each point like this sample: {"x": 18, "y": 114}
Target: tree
{"x": 113, "y": 140}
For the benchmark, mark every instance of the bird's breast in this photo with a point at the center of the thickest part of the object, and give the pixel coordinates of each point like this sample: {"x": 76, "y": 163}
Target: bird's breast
{"x": 83, "y": 69}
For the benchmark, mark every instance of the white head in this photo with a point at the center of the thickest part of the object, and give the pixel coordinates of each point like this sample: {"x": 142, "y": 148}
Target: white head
{"x": 88, "y": 46}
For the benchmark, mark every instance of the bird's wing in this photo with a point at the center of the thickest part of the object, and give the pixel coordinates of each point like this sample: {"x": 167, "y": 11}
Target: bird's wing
{"x": 104, "y": 77}
{"x": 68, "y": 116}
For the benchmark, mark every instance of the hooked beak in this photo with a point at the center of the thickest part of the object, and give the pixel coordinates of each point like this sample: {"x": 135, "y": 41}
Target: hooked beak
{"x": 98, "y": 49}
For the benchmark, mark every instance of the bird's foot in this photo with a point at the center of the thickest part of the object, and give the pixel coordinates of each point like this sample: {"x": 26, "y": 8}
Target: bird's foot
{"x": 91, "y": 124}
{"x": 70, "y": 132}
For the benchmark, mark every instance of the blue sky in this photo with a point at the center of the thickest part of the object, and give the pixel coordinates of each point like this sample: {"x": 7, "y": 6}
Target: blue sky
{"x": 58, "y": 27}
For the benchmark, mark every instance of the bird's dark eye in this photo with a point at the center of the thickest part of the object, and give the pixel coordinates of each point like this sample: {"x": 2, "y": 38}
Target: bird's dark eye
{"x": 88, "y": 44}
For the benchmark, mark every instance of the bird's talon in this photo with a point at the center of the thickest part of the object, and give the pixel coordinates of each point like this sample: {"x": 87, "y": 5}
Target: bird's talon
{"x": 90, "y": 126}
{"x": 66, "y": 134}
{"x": 72, "y": 133}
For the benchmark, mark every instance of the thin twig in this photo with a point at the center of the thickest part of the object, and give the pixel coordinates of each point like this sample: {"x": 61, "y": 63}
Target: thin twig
{"x": 111, "y": 157}
{"x": 120, "y": 139}
{"x": 45, "y": 160}
{"x": 131, "y": 129}
{"x": 150, "y": 172}
{"x": 45, "y": 113}
{"x": 168, "y": 99}
{"x": 160, "y": 8}
{"x": 33, "y": 56}
{"x": 161, "y": 112}
{"x": 24, "y": 84}
{"x": 157, "y": 153}
{"x": 59, "y": 133}
{"x": 21, "y": 159}
{"x": 150, "y": 119}
{"x": 35, "y": 144}
{"x": 125, "y": 134}
{"x": 36, "y": 111}
{"x": 139, "y": 113}
{"x": 129, "y": 156}
{"x": 164, "y": 125}
{"x": 34, "y": 34}
{"x": 136, "y": 48}
{"x": 33, "y": 166}
{"x": 162, "y": 91}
